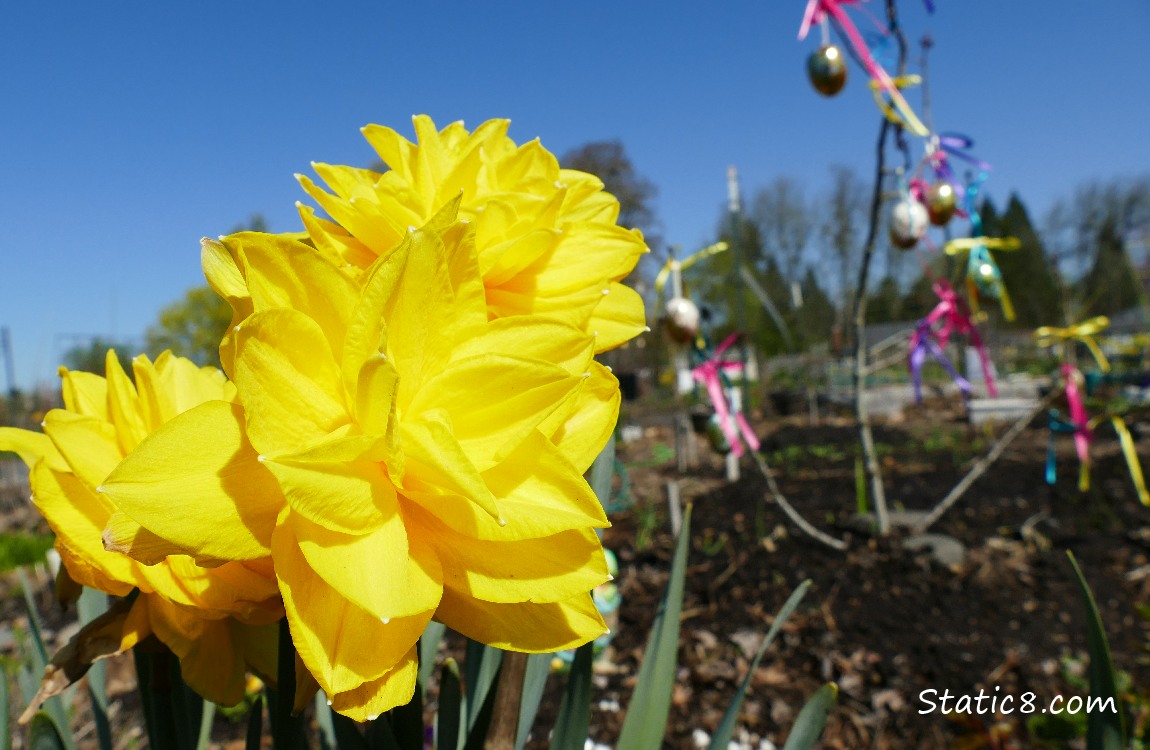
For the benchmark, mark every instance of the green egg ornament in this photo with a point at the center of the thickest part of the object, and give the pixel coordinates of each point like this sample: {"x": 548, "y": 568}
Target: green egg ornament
{"x": 827, "y": 70}
{"x": 941, "y": 203}
{"x": 716, "y": 437}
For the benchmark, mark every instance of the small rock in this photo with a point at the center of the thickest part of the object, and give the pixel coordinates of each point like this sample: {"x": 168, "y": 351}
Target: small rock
{"x": 947, "y": 550}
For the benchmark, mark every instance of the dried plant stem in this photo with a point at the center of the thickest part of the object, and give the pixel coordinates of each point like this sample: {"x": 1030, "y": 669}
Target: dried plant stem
{"x": 985, "y": 462}
{"x": 866, "y": 437}
{"x": 508, "y": 697}
{"x": 789, "y": 509}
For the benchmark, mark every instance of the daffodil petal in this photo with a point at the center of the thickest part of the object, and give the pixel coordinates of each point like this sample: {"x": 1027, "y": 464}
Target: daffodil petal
{"x": 617, "y": 318}
{"x": 530, "y": 337}
{"x": 285, "y": 273}
{"x": 437, "y": 465}
{"x": 87, "y": 444}
{"x": 354, "y": 497}
{"x": 546, "y": 569}
{"x": 380, "y": 572}
{"x": 124, "y": 410}
{"x": 209, "y": 661}
{"x": 123, "y": 535}
{"x": 370, "y": 700}
{"x": 581, "y": 429}
{"x": 342, "y": 645}
{"x": 534, "y": 628}
{"x": 31, "y": 447}
{"x": 291, "y": 387}
{"x": 84, "y": 393}
{"x": 494, "y": 402}
{"x": 218, "y": 500}
{"x": 77, "y": 515}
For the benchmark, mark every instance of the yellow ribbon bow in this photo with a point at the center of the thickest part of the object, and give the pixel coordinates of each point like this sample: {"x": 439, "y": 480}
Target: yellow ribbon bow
{"x": 690, "y": 260}
{"x": 1126, "y": 440}
{"x": 897, "y": 110}
{"x": 1048, "y": 336}
{"x": 966, "y": 244}
{"x": 969, "y": 244}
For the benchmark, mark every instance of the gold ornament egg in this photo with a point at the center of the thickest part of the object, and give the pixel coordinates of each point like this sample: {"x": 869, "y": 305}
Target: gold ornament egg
{"x": 941, "y": 203}
{"x": 827, "y": 70}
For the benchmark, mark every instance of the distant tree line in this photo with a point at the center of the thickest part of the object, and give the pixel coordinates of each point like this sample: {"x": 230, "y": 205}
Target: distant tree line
{"x": 1090, "y": 257}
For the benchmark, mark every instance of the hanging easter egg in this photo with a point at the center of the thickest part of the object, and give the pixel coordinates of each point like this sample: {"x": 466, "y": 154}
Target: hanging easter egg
{"x": 908, "y": 223}
{"x": 716, "y": 437}
{"x": 941, "y": 203}
{"x": 827, "y": 70}
{"x": 986, "y": 278}
{"x": 682, "y": 319}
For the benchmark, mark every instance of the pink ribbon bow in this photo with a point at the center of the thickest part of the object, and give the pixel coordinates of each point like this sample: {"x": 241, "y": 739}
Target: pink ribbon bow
{"x": 817, "y": 12}
{"x": 709, "y": 374}
{"x": 956, "y": 319}
{"x": 1082, "y": 432}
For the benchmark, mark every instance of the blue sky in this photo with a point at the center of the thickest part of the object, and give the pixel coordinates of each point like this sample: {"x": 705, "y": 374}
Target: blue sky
{"x": 132, "y": 129}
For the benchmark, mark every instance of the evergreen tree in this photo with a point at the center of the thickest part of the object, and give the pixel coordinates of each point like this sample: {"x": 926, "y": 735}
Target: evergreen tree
{"x": 1110, "y": 286}
{"x": 816, "y": 318}
{"x": 884, "y": 304}
{"x": 1028, "y": 273}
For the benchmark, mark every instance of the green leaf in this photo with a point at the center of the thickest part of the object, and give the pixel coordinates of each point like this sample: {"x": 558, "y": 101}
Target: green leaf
{"x": 812, "y": 718}
{"x": 54, "y": 706}
{"x": 428, "y": 647}
{"x": 574, "y": 717}
{"x": 347, "y": 734}
{"x": 206, "y": 718}
{"x": 534, "y": 682}
{"x": 89, "y": 606}
{"x": 327, "y": 740}
{"x": 5, "y": 716}
{"x": 44, "y": 734}
{"x": 1104, "y": 730}
{"x": 287, "y": 731}
{"x": 602, "y": 472}
{"x": 646, "y": 720}
{"x": 254, "y": 735}
{"x": 447, "y": 734}
{"x": 172, "y": 712}
{"x": 379, "y": 735}
{"x": 726, "y": 729}
{"x": 477, "y": 734}
{"x": 479, "y": 670}
{"x": 407, "y": 723}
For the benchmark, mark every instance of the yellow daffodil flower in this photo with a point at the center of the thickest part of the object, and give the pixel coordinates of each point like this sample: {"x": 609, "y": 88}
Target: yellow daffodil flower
{"x": 546, "y": 237}
{"x": 218, "y": 621}
{"x": 430, "y": 460}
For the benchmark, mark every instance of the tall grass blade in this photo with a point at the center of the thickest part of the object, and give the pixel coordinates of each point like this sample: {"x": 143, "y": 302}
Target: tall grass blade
{"x": 812, "y": 718}
{"x": 89, "y": 606}
{"x": 1104, "y": 729}
{"x": 449, "y": 720}
{"x": 253, "y": 738}
{"x": 726, "y": 729}
{"x": 534, "y": 683}
{"x": 574, "y": 719}
{"x": 646, "y": 720}
{"x": 45, "y": 734}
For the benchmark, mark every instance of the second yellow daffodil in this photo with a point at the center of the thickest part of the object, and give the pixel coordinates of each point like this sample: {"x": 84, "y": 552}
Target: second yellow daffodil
{"x": 425, "y": 459}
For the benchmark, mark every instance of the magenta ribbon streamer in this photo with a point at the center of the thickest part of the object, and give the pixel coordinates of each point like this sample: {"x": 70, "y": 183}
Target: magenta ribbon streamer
{"x": 922, "y": 343}
{"x": 710, "y": 375}
{"x": 818, "y": 10}
{"x": 1082, "y": 432}
{"x": 955, "y": 318}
